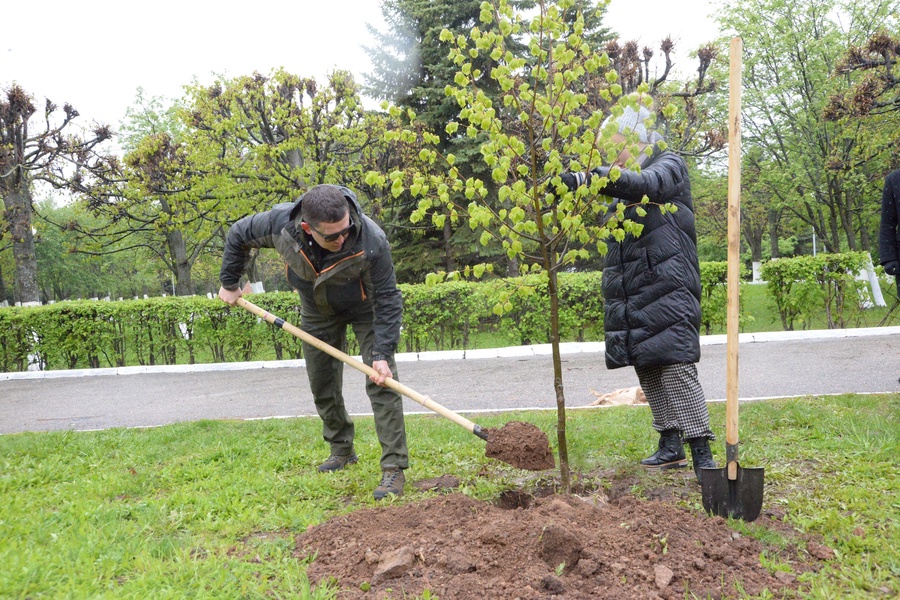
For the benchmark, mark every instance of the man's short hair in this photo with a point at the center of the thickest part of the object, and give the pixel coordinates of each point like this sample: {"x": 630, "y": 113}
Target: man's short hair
{"x": 323, "y": 204}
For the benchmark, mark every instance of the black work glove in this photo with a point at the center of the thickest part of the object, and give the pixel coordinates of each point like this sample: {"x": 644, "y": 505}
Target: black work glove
{"x": 892, "y": 268}
{"x": 574, "y": 180}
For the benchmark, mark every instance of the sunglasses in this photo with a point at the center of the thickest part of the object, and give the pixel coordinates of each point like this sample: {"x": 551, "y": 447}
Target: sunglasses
{"x": 330, "y": 237}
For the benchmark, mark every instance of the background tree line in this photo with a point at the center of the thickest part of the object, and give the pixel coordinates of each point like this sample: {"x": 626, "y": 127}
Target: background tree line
{"x": 92, "y": 212}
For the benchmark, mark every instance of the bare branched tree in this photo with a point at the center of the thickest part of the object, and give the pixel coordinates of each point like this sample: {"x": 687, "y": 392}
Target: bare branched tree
{"x": 36, "y": 146}
{"x": 878, "y": 90}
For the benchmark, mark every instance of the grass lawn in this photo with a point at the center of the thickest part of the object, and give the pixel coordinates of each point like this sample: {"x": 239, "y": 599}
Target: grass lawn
{"x": 207, "y": 509}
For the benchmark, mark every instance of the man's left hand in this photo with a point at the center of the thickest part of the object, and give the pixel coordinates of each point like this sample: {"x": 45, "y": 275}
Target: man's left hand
{"x": 383, "y": 369}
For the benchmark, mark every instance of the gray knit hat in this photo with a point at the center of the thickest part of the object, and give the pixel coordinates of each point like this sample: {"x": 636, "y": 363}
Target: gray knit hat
{"x": 632, "y": 120}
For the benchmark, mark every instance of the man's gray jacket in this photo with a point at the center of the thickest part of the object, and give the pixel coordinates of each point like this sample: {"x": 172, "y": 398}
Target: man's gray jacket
{"x": 347, "y": 284}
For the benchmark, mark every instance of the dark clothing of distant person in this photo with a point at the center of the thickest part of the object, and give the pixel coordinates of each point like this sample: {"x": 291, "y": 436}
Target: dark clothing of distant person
{"x": 889, "y": 234}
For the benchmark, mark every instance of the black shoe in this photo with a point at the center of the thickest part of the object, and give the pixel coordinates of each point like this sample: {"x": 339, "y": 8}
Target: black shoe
{"x": 392, "y": 482}
{"x": 670, "y": 454}
{"x": 701, "y": 456}
{"x": 336, "y": 463}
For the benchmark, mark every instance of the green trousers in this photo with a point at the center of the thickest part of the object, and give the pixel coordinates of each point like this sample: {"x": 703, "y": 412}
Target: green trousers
{"x": 326, "y": 383}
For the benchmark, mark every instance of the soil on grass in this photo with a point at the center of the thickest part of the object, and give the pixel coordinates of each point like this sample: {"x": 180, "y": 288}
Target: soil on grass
{"x": 602, "y": 543}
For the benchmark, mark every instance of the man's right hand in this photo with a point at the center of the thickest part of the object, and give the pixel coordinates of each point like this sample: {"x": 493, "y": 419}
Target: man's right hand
{"x": 231, "y": 296}
{"x": 892, "y": 268}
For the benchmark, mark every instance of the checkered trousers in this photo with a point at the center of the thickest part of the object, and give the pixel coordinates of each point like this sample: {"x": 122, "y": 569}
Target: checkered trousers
{"x": 676, "y": 399}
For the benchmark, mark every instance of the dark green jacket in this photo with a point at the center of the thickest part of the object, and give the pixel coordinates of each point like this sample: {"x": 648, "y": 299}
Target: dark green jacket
{"x": 358, "y": 279}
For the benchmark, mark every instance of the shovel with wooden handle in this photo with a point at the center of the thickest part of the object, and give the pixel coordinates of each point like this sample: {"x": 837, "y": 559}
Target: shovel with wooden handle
{"x": 360, "y": 366}
{"x": 733, "y": 491}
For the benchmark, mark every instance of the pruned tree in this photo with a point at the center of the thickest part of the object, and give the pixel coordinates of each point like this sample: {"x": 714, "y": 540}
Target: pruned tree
{"x": 153, "y": 203}
{"x": 870, "y": 107}
{"x": 266, "y": 139}
{"x": 36, "y": 147}
{"x": 224, "y": 151}
{"x": 873, "y": 68}
{"x": 698, "y": 128}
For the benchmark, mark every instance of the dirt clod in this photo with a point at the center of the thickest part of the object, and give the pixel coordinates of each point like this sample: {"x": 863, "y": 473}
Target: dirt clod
{"x": 521, "y": 445}
{"x": 559, "y": 547}
{"x": 442, "y": 483}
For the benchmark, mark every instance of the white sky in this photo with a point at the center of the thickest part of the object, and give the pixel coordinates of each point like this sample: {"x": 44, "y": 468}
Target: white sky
{"x": 94, "y": 54}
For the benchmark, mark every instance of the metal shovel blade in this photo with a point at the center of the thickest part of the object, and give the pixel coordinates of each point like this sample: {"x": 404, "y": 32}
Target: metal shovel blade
{"x": 739, "y": 498}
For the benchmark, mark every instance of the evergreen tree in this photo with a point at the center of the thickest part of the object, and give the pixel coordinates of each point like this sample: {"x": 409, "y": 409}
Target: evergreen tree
{"x": 411, "y": 65}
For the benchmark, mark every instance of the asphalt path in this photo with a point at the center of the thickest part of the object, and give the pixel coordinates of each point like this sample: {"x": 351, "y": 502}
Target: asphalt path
{"x": 770, "y": 366}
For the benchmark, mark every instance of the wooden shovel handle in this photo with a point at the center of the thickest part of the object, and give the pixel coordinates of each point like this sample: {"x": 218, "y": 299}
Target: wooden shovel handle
{"x": 734, "y": 253}
{"x": 360, "y": 366}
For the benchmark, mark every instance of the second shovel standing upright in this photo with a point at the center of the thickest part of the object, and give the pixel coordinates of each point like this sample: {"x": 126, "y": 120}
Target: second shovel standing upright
{"x": 733, "y": 491}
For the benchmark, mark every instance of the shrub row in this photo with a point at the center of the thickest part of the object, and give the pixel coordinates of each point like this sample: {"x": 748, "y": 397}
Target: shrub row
{"x": 188, "y": 330}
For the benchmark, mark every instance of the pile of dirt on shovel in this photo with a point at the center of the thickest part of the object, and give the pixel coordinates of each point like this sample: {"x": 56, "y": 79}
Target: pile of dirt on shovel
{"x": 520, "y": 444}
{"x": 558, "y": 546}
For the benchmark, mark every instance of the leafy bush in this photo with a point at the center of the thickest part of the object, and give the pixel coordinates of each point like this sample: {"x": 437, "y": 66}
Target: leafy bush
{"x": 714, "y": 295}
{"x": 802, "y": 286}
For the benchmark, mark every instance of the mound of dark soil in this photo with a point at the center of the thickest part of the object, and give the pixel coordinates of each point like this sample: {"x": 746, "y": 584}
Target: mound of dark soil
{"x": 567, "y": 546}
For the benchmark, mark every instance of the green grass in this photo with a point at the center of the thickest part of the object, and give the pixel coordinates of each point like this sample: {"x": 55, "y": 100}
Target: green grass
{"x": 209, "y": 509}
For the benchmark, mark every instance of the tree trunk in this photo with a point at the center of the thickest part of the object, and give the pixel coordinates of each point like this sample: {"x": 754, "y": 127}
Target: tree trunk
{"x": 512, "y": 269}
{"x": 553, "y": 291}
{"x": 18, "y": 216}
{"x": 774, "y": 218}
{"x": 754, "y": 238}
{"x": 846, "y": 210}
{"x": 449, "y": 260}
{"x": 865, "y": 242}
{"x": 250, "y": 270}
{"x": 833, "y": 242}
{"x": 182, "y": 265}
{"x": 2, "y": 287}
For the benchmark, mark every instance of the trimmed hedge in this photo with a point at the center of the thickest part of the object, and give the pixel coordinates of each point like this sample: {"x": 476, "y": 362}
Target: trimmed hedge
{"x": 154, "y": 331}
{"x": 188, "y": 330}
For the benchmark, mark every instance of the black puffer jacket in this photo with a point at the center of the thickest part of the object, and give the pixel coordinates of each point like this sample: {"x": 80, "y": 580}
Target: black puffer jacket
{"x": 889, "y": 234}
{"x": 358, "y": 279}
{"x": 651, "y": 284}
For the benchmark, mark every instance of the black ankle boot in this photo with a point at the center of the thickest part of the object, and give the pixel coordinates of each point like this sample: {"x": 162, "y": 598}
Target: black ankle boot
{"x": 701, "y": 456}
{"x": 670, "y": 454}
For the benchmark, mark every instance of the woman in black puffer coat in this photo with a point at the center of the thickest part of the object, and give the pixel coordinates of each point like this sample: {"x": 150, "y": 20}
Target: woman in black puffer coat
{"x": 651, "y": 290}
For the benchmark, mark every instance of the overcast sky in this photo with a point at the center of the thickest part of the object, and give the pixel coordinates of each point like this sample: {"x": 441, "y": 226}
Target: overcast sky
{"x": 94, "y": 54}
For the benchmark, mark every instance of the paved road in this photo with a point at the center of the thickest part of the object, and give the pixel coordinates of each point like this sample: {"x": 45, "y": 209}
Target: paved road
{"x": 771, "y": 365}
